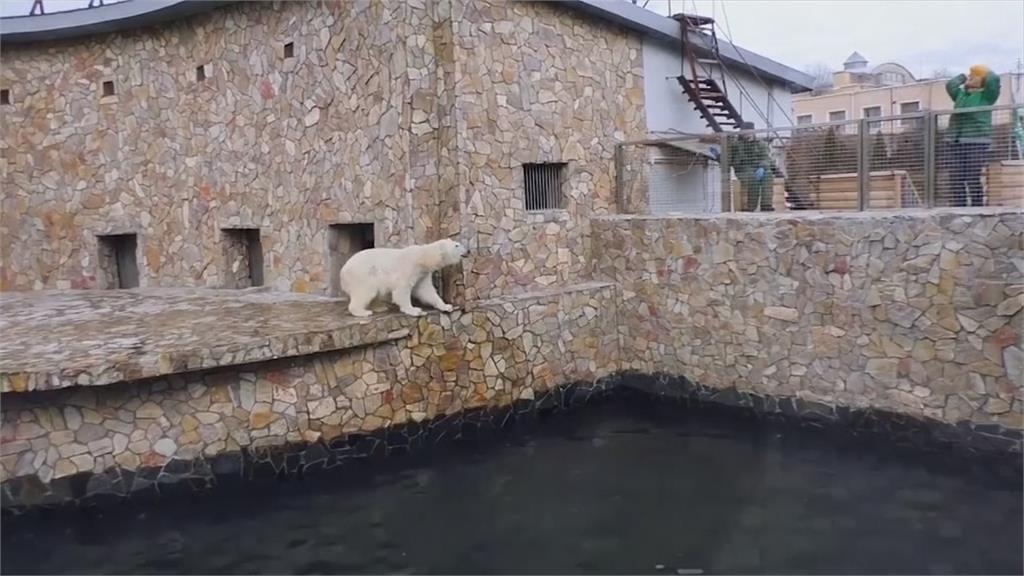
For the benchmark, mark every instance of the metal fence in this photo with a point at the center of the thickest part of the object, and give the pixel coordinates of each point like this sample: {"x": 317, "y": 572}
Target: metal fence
{"x": 924, "y": 159}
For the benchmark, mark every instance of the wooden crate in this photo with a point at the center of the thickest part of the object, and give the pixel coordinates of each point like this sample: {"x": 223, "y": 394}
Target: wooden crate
{"x": 1004, "y": 183}
{"x": 890, "y": 189}
{"x": 778, "y": 195}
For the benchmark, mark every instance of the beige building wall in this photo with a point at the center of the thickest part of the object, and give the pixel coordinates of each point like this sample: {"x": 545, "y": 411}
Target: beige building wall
{"x": 852, "y": 100}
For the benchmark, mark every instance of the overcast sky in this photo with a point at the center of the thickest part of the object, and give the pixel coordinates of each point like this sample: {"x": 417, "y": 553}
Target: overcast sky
{"x": 922, "y": 35}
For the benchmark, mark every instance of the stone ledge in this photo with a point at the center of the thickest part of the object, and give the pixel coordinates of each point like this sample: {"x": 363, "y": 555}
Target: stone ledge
{"x": 52, "y": 340}
{"x": 538, "y": 294}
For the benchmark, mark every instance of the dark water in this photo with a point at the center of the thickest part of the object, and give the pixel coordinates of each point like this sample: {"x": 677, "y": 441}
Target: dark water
{"x": 635, "y": 488}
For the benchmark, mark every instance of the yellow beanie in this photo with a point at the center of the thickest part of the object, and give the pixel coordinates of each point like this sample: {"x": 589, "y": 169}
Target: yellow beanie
{"x": 979, "y": 70}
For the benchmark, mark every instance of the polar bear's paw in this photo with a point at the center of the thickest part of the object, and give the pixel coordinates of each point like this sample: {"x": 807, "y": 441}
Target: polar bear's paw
{"x": 413, "y": 311}
{"x": 361, "y": 313}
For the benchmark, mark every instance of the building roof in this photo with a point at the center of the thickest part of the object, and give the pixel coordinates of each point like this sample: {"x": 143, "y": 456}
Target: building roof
{"x": 125, "y": 15}
{"x": 666, "y": 29}
{"x": 98, "y": 20}
{"x": 855, "y": 58}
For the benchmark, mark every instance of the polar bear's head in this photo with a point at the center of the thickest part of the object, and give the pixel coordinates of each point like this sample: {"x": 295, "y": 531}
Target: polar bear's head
{"x": 452, "y": 251}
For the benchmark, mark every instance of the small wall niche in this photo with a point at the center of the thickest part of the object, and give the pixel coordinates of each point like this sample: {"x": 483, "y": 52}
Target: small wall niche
{"x": 107, "y": 88}
{"x": 289, "y": 49}
{"x": 117, "y": 261}
{"x": 243, "y": 257}
{"x": 344, "y": 240}
{"x": 5, "y": 97}
{"x": 201, "y": 74}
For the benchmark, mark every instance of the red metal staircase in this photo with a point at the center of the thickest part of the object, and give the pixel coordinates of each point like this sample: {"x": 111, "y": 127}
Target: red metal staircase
{"x": 709, "y": 97}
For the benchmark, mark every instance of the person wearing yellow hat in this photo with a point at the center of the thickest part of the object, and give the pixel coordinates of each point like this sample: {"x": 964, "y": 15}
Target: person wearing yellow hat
{"x": 971, "y": 132}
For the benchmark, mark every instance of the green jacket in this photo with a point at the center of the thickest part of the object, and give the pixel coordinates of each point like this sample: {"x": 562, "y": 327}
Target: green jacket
{"x": 746, "y": 156}
{"x": 972, "y": 126}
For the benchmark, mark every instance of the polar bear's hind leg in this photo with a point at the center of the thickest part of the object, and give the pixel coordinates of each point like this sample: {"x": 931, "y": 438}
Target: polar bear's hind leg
{"x": 360, "y": 298}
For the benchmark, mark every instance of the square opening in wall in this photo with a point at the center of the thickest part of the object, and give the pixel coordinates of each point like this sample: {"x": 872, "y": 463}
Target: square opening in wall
{"x": 543, "y": 186}
{"x": 118, "y": 261}
{"x": 289, "y": 49}
{"x": 243, "y": 258}
{"x": 344, "y": 240}
{"x": 200, "y": 73}
{"x": 5, "y": 96}
{"x": 108, "y": 88}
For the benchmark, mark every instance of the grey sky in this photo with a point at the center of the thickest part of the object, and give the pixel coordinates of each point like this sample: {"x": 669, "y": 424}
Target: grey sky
{"x": 922, "y": 35}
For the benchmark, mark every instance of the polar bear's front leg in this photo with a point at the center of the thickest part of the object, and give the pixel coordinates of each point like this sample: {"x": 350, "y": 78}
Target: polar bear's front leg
{"x": 402, "y": 297}
{"x": 427, "y": 294}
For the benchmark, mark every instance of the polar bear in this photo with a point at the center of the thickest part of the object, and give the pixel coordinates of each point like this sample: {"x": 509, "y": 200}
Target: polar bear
{"x": 400, "y": 272}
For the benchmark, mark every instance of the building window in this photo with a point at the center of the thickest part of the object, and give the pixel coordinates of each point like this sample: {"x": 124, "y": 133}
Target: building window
{"x": 873, "y": 112}
{"x": 910, "y": 108}
{"x": 543, "y": 186}
{"x": 117, "y": 261}
{"x": 289, "y": 50}
{"x": 804, "y": 119}
{"x": 344, "y": 240}
{"x": 243, "y": 258}
{"x": 5, "y": 97}
{"x": 837, "y": 116}
{"x": 108, "y": 88}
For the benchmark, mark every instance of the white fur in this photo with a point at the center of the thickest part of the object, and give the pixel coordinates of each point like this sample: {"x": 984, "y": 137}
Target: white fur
{"x": 399, "y": 272}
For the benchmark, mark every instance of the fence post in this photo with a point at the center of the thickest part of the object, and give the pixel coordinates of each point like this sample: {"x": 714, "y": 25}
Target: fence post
{"x": 930, "y": 133}
{"x": 724, "y": 166}
{"x": 863, "y": 165}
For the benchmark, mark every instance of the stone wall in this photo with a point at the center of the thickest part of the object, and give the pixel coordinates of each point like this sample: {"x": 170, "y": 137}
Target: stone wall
{"x": 283, "y": 144}
{"x": 538, "y": 82}
{"x": 916, "y": 313}
{"x": 415, "y": 116}
{"x": 496, "y": 353}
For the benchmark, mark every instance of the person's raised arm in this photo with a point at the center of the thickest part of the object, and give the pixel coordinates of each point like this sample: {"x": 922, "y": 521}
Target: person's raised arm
{"x": 990, "y": 93}
{"x": 955, "y": 86}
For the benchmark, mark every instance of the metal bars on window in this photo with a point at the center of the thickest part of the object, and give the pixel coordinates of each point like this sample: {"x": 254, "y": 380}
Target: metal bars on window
{"x": 542, "y": 186}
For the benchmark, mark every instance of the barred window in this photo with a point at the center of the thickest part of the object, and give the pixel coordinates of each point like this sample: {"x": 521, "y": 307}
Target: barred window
{"x": 543, "y": 186}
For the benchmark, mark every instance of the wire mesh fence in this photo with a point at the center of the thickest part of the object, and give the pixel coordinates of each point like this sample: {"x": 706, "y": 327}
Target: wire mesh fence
{"x": 924, "y": 159}
{"x": 975, "y": 165}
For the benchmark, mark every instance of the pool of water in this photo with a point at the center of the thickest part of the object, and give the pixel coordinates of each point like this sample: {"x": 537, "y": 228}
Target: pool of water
{"x": 628, "y": 486}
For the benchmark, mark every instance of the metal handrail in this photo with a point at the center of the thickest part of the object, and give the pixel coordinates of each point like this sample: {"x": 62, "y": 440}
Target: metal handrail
{"x": 41, "y": 5}
{"x": 927, "y": 130}
{"x": 774, "y": 130}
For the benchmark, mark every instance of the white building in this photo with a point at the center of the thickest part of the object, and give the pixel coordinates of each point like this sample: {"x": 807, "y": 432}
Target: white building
{"x": 759, "y": 88}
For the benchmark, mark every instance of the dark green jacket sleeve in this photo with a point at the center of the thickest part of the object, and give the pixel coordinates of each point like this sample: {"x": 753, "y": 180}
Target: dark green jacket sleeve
{"x": 955, "y": 86}
{"x": 990, "y": 93}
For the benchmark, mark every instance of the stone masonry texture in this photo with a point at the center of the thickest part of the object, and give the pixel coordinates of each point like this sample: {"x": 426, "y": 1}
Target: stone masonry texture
{"x": 916, "y": 313}
{"x": 418, "y": 116}
{"x": 497, "y": 352}
{"x": 414, "y": 116}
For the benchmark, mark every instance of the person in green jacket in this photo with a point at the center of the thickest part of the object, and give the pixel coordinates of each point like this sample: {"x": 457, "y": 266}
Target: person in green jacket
{"x": 755, "y": 169}
{"x": 971, "y": 132}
